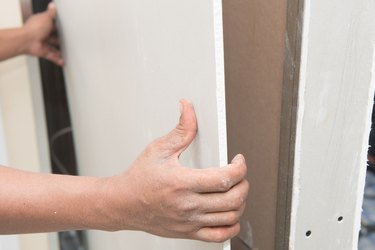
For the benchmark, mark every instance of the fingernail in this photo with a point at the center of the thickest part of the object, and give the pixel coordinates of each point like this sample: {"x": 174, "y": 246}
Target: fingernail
{"x": 51, "y": 5}
{"x": 238, "y": 159}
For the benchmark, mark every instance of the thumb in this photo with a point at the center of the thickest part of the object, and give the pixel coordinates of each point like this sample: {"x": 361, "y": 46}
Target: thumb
{"x": 176, "y": 141}
{"x": 51, "y": 10}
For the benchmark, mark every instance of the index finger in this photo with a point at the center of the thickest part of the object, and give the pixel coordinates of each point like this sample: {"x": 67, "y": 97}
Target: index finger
{"x": 215, "y": 180}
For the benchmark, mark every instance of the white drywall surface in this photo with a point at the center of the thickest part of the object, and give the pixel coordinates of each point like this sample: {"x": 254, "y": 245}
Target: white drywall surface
{"x": 128, "y": 64}
{"x": 336, "y": 93}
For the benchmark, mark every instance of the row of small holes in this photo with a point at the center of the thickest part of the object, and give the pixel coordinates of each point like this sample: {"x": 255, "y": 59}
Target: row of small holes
{"x": 339, "y": 219}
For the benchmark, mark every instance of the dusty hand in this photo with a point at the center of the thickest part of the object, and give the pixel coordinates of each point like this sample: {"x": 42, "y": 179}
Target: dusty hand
{"x": 167, "y": 199}
{"x": 41, "y": 41}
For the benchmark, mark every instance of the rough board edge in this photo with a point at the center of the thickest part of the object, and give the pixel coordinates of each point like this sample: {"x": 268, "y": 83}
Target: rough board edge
{"x": 293, "y": 60}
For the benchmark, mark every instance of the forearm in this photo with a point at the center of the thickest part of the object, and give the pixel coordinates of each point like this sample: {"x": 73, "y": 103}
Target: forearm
{"x": 31, "y": 202}
{"x": 13, "y": 42}
{"x": 156, "y": 194}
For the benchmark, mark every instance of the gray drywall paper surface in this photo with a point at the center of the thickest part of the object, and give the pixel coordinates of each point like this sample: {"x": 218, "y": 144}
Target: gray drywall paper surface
{"x": 335, "y": 98}
{"x": 127, "y": 65}
{"x": 254, "y": 48}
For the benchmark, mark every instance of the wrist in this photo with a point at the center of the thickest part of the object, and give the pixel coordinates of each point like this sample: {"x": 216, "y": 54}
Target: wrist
{"x": 25, "y": 39}
{"x": 112, "y": 205}
{"x": 14, "y": 42}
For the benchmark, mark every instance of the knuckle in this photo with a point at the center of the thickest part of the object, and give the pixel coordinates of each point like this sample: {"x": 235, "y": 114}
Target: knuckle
{"x": 220, "y": 236}
{"x": 239, "y": 172}
{"x": 242, "y": 170}
{"x": 247, "y": 185}
{"x": 187, "y": 207}
{"x": 217, "y": 237}
{"x": 233, "y": 218}
{"x": 225, "y": 184}
{"x": 236, "y": 230}
{"x": 244, "y": 166}
{"x": 242, "y": 209}
{"x": 238, "y": 201}
{"x": 237, "y": 198}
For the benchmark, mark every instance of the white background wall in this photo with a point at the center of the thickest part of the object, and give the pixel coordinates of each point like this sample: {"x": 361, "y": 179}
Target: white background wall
{"x": 19, "y": 129}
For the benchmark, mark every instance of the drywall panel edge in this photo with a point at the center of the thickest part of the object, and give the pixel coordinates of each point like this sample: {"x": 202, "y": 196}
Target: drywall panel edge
{"x": 220, "y": 88}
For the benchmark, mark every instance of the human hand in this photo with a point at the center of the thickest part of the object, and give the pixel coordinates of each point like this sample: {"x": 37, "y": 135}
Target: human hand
{"x": 160, "y": 196}
{"x": 41, "y": 40}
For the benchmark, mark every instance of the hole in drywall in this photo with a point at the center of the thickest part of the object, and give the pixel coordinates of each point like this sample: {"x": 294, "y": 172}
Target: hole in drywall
{"x": 340, "y": 219}
{"x": 308, "y": 233}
